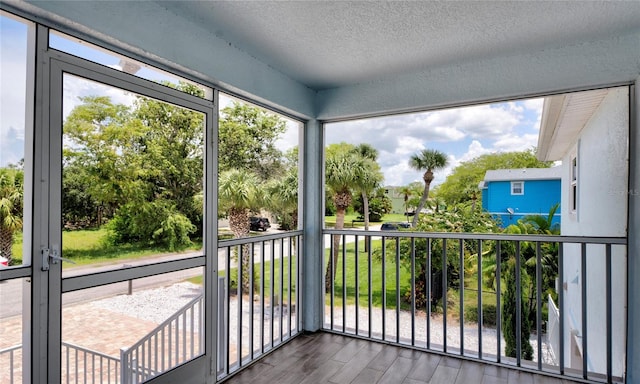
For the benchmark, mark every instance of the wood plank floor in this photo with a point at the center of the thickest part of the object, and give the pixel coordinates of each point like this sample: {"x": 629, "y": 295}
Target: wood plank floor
{"x": 329, "y": 358}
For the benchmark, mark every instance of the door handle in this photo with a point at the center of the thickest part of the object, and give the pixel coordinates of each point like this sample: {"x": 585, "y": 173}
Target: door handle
{"x": 54, "y": 255}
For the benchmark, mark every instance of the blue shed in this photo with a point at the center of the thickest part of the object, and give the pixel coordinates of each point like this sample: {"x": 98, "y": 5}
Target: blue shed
{"x": 511, "y": 194}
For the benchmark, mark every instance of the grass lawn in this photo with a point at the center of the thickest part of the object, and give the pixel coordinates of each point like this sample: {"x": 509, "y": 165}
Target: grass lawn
{"x": 89, "y": 246}
{"x": 349, "y": 291}
{"x": 277, "y": 272}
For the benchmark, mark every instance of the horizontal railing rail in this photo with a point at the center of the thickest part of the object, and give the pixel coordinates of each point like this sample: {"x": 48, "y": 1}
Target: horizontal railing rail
{"x": 471, "y": 295}
{"x": 483, "y": 236}
{"x": 260, "y": 238}
{"x": 258, "y": 298}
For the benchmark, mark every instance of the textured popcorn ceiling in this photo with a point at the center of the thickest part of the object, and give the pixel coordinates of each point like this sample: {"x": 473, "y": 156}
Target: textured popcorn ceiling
{"x": 331, "y": 44}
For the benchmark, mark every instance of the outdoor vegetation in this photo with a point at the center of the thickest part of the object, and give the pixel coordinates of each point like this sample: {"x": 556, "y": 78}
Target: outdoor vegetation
{"x": 454, "y": 206}
{"x": 133, "y": 187}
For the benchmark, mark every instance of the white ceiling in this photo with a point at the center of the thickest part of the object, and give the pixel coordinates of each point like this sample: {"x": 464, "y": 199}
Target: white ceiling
{"x": 325, "y": 44}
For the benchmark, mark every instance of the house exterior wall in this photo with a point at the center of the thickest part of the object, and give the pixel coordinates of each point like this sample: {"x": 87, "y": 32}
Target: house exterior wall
{"x": 538, "y": 197}
{"x": 602, "y": 153}
{"x": 396, "y": 198}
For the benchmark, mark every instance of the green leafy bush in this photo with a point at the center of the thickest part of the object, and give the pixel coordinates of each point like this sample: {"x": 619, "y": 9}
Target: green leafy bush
{"x": 489, "y": 317}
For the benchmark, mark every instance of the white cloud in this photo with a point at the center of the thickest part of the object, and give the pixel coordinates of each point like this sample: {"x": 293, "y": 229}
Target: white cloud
{"x": 534, "y": 105}
{"x": 474, "y": 150}
{"x": 511, "y": 143}
{"x": 75, "y": 87}
{"x": 479, "y": 130}
{"x": 407, "y": 146}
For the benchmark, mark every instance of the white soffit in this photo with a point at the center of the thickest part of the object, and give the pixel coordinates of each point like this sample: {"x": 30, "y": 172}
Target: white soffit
{"x": 563, "y": 117}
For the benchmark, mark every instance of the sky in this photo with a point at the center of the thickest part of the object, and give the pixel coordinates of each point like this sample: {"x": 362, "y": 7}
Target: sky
{"x": 461, "y": 133}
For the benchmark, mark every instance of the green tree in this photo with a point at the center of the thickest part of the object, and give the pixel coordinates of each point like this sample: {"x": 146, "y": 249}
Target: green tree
{"x": 284, "y": 198}
{"x": 143, "y": 164}
{"x": 379, "y": 204}
{"x": 11, "y": 206}
{"x": 459, "y": 220}
{"x": 98, "y": 155}
{"x": 247, "y": 140}
{"x": 428, "y": 160}
{"x": 239, "y": 193}
{"x": 466, "y": 176}
{"x": 344, "y": 171}
{"x": 509, "y": 308}
{"x": 370, "y": 179}
{"x": 406, "y": 192}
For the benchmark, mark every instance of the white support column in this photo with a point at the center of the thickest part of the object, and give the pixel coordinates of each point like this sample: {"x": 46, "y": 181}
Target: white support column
{"x": 313, "y": 181}
{"x": 633, "y": 271}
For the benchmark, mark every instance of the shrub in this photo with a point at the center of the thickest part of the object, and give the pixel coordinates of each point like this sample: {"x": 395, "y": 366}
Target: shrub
{"x": 509, "y": 318}
{"x": 488, "y": 314}
{"x": 155, "y": 222}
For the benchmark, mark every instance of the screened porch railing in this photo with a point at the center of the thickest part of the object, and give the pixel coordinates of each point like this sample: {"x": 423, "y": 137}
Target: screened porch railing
{"x": 470, "y": 295}
{"x": 258, "y": 298}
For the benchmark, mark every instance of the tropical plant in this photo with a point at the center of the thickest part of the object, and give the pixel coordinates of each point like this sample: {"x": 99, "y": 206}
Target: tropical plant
{"x": 239, "y": 193}
{"x": 428, "y": 160}
{"x": 369, "y": 179}
{"x": 509, "y": 316}
{"x": 345, "y": 170}
{"x": 11, "y": 205}
{"x": 455, "y": 220}
{"x": 406, "y": 192}
{"x": 284, "y": 198}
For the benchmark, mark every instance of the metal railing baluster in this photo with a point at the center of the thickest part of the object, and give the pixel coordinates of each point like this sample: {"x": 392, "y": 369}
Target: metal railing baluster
{"x": 384, "y": 290}
{"x": 444, "y": 294}
{"x": 428, "y": 293}
{"x": 480, "y": 310}
{"x": 539, "y": 303}
{"x": 344, "y": 283}
{"x": 281, "y": 281}
{"x": 461, "y": 293}
{"x": 357, "y": 286}
{"x": 369, "y": 282}
{"x": 609, "y": 311}
{"x": 518, "y": 308}
{"x": 561, "y": 305}
{"x": 397, "y": 259}
{"x": 583, "y": 285}
{"x": 262, "y": 298}
{"x": 413, "y": 292}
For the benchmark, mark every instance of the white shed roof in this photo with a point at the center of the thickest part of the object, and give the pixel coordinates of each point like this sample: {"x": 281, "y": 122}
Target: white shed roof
{"x": 523, "y": 174}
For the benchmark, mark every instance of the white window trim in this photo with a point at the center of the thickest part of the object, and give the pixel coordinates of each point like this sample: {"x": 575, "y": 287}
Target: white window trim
{"x": 513, "y": 184}
{"x": 574, "y": 175}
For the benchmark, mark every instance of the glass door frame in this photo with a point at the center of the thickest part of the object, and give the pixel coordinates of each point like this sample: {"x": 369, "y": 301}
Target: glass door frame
{"x": 48, "y": 283}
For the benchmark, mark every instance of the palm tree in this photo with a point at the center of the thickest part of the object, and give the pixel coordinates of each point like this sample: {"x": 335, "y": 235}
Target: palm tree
{"x": 343, "y": 171}
{"x": 428, "y": 160}
{"x": 370, "y": 179}
{"x": 406, "y": 192}
{"x": 284, "y": 196}
{"x": 239, "y": 193}
{"x": 11, "y": 197}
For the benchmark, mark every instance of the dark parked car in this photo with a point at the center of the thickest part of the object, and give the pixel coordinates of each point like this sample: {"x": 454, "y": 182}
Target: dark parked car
{"x": 394, "y": 226}
{"x": 259, "y": 224}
